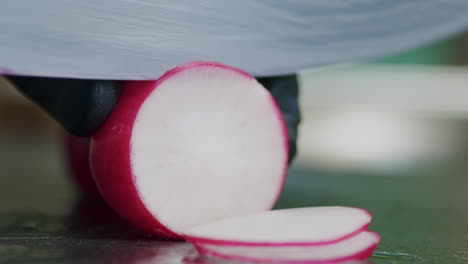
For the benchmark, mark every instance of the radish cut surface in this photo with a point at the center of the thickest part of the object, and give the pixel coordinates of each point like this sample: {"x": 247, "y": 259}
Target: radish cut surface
{"x": 297, "y": 226}
{"x": 202, "y": 143}
{"x": 358, "y": 247}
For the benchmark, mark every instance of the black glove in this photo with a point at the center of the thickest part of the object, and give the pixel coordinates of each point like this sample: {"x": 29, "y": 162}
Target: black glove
{"x": 82, "y": 106}
{"x": 285, "y": 90}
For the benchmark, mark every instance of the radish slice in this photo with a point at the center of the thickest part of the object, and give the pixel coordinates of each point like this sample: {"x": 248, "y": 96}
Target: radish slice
{"x": 356, "y": 248}
{"x": 77, "y": 159}
{"x": 202, "y": 143}
{"x": 294, "y": 227}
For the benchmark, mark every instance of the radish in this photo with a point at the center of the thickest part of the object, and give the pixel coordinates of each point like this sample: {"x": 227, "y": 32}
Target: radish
{"x": 201, "y": 154}
{"x": 204, "y": 142}
{"x": 288, "y": 227}
{"x": 356, "y": 248}
{"x": 77, "y": 159}
{"x": 299, "y": 235}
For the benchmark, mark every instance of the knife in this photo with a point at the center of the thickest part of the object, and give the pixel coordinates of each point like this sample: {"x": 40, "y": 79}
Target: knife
{"x": 140, "y": 39}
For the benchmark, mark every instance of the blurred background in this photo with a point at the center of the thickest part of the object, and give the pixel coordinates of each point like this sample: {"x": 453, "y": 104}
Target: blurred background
{"x": 390, "y": 115}
{"x": 389, "y": 135}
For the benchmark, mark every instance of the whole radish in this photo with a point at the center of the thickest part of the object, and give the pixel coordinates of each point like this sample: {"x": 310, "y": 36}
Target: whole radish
{"x": 203, "y": 142}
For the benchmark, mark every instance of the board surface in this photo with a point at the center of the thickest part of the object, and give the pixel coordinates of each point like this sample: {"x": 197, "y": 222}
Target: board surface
{"x": 121, "y": 39}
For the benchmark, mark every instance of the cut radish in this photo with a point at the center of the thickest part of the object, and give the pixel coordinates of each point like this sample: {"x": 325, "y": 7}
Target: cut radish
{"x": 77, "y": 159}
{"x": 202, "y": 143}
{"x": 293, "y": 227}
{"x": 358, "y": 247}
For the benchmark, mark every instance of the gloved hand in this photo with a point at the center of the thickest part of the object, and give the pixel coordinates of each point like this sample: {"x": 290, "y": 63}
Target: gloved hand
{"x": 82, "y": 106}
{"x": 285, "y": 89}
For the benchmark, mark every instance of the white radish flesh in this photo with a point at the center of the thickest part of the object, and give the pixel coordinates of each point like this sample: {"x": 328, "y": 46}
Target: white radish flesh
{"x": 202, "y": 143}
{"x": 298, "y": 226}
{"x": 356, "y": 248}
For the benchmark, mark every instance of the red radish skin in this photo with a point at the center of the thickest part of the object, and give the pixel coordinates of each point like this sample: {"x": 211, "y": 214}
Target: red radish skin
{"x": 77, "y": 159}
{"x": 292, "y": 257}
{"x": 111, "y": 152}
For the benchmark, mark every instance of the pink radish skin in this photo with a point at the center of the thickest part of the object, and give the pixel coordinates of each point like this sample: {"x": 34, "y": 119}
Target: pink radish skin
{"x": 312, "y": 226}
{"x": 298, "y": 254}
{"x": 77, "y": 159}
{"x": 114, "y": 162}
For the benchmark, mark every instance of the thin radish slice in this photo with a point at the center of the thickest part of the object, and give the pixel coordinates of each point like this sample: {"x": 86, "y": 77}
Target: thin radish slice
{"x": 356, "y": 248}
{"x": 202, "y": 143}
{"x": 297, "y": 226}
